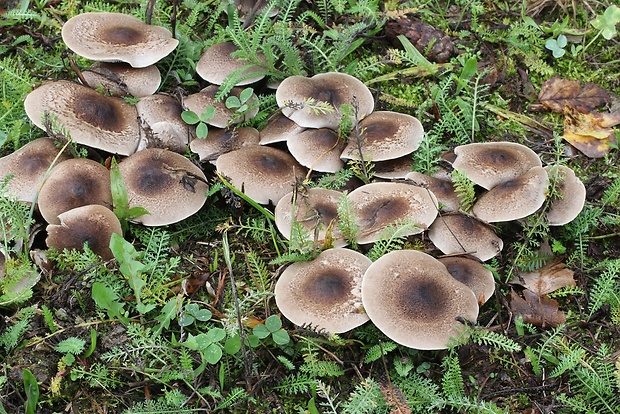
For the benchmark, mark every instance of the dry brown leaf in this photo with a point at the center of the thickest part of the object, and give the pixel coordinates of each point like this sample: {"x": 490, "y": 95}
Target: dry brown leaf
{"x": 547, "y": 279}
{"x": 557, "y": 93}
{"x": 594, "y": 124}
{"x": 590, "y": 146}
{"x": 537, "y": 310}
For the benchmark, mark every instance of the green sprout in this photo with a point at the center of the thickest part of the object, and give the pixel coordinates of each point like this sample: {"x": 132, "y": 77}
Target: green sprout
{"x": 192, "y": 118}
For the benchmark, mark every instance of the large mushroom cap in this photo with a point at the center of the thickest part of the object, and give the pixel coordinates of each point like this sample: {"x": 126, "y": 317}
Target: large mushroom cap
{"x": 412, "y": 298}
{"x": 378, "y": 205}
{"x": 264, "y": 174}
{"x": 443, "y": 189}
{"x": 224, "y": 117}
{"x": 168, "y": 185}
{"x": 28, "y": 166}
{"x": 513, "y": 199}
{"x": 384, "y": 135}
{"x": 112, "y": 37}
{"x": 122, "y": 79}
{"x": 460, "y": 233}
{"x": 92, "y": 224}
{"x": 162, "y": 125}
{"x": 317, "y": 148}
{"x": 91, "y": 118}
{"x": 491, "y": 163}
{"x": 221, "y": 141}
{"x": 473, "y": 274}
{"x": 74, "y": 183}
{"x": 216, "y": 63}
{"x": 566, "y": 209}
{"x": 297, "y": 95}
{"x": 324, "y": 293}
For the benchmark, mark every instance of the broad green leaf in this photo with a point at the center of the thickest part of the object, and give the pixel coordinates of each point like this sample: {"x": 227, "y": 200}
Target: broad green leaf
{"x": 213, "y": 354}
{"x": 196, "y": 343}
{"x": 606, "y": 23}
{"x": 216, "y": 335}
{"x": 261, "y": 331}
{"x": 202, "y": 130}
{"x": 190, "y": 117}
{"x": 31, "y": 388}
{"x": 107, "y": 299}
{"x": 232, "y": 345}
{"x": 186, "y": 320}
{"x": 208, "y": 113}
{"x": 273, "y": 323}
{"x": 167, "y": 314}
{"x": 145, "y": 308}
{"x": 281, "y": 337}
{"x": 232, "y": 102}
{"x": 246, "y": 94}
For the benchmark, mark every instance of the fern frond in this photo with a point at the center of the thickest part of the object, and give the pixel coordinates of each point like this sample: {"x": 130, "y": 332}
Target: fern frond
{"x": 296, "y": 384}
{"x": 366, "y": 398}
{"x": 377, "y": 351}
{"x": 484, "y": 337}
{"x": 464, "y": 187}
{"x": 452, "y": 381}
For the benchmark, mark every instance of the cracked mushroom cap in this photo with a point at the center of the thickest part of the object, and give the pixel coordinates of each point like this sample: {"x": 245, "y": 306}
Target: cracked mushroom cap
{"x": 28, "y": 166}
{"x": 74, "y": 183}
{"x": 92, "y": 224}
{"x": 385, "y": 135}
{"x": 317, "y": 148}
{"x": 324, "y": 293}
{"x": 514, "y": 199}
{"x": 161, "y": 123}
{"x": 224, "y": 117}
{"x": 316, "y": 210}
{"x": 92, "y": 119}
{"x": 459, "y": 233}
{"x": 378, "y": 205}
{"x": 217, "y": 63}
{"x": 113, "y": 37}
{"x": 473, "y": 274}
{"x": 443, "y": 189}
{"x": 298, "y": 95}
{"x": 412, "y": 298}
{"x": 566, "y": 209}
{"x": 279, "y": 129}
{"x": 168, "y": 185}
{"x": 491, "y": 163}
{"x": 220, "y": 141}
{"x": 121, "y": 79}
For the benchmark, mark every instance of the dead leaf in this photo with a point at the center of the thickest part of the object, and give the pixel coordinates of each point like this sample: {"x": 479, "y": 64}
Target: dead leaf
{"x": 547, "y": 279}
{"x": 557, "y": 93}
{"x": 594, "y": 124}
{"x": 537, "y": 310}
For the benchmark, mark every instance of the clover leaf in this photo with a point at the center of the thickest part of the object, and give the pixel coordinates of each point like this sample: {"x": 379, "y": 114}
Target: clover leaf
{"x": 607, "y": 22}
{"x": 557, "y": 46}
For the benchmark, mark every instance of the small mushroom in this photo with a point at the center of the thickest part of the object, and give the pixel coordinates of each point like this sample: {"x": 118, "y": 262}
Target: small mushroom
{"x": 324, "y": 293}
{"x": 443, "y": 189}
{"x": 92, "y": 224}
{"x": 412, "y": 298}
{"x": 220, "y": 141}
{"x": 573, "y": 195}
{"x": 217, "y": 63}
{"x": 317, "y": 148}
{"x": 162, "y": 125}
{"x": 121, "y": 79}
{"x": 112, "y": 37}
{"x": 223, "y": 117}
{"x": 473, "y": 274}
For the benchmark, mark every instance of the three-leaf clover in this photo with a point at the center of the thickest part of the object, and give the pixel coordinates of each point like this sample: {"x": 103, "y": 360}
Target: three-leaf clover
{"x": 557, "y": 46}
{"x": 241, "y": 105}
{"x": 194, "y": 313}
{"x": 192, "y": 118}
{"x": 272, "y": 327}
{"x": 208, "y": 344}
{"x": 606, "y": 23}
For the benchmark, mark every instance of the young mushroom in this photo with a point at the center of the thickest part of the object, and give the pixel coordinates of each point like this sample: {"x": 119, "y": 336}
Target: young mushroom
{"x": 121, "y": 79}
{"x": 573, "y": 195}
{"x": 217, "y": 63}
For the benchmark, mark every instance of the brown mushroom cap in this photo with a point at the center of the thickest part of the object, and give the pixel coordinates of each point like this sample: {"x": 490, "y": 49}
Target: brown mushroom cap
{"x": 224, "y": 117}
{"x": 566, "y": 209}
{"x": 216, "y": 64}
{"x": 317, "y": 148}
{"x": 460, "y": 233}
{"x": 324, "y": 293}
{"x": 162, "y": 125}
{"x": 333, "y": 88}
{"x": 315, "y": 209}
{"x": 378, "y": 205}
{"x": 91, "y": 118}
{"x": 396, "y": 169}
{"x": 491, "y": 163}
{"x": 251, "y": 8}
{"x": 221, "y": 141}
{"x": 278, "y": 129}
{"x": 121, "y": 79}
{"x": 28, "y": 166}
{"x": 385, "y": 135}
{"x": 443, "y": 189}
{"x": 112, "y": 37}
{"x": 473, "y": 274}
{"x": 412, "y": 298}
{"x": 74, "y": 183}
{"x": 513, "y": 199}
{"x": 91, "y": 223}
{"x": 168, "y": 185}
{"x": 264, "y": 174}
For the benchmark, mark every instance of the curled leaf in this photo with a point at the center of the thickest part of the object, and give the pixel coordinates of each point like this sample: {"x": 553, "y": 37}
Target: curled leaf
{"x": 557, "y": 93}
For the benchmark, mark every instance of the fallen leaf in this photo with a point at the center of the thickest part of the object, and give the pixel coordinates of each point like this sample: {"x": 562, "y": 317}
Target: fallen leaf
{"x": 590, "y": 146}
{"x": 547, "y": 279}
{"x": 594, "y": 124}
{"x": 537, "y": 310}
{"x": 557, "y": 93}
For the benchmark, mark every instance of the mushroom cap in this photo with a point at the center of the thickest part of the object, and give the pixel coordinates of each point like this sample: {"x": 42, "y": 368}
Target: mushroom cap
{"x": 91, "y": 223}
{"x": 223, "y": 117}
{"x": 168, "y": 185}
{"x": 412, "y": 298}
{"x": 396, "y": 169}
{"x": 378, "y": 205}
{"x": 264, "y": 174}
{"x": 473, "y": 274}
{"x": 315, "y": 209}
{"x": 92, "y": 119}
{"x": 279, "y": 128}
{"x": 28, "y": 166}
{"x": 317, "y": 148}
{"x": 334, "y": 88}
{"x": 216, "y": 64}
{"x": 121, "y": 79}
{"x": 385, "y": 135}
{"x": 74, "y": 183}
{"x": 325, "y": 292}
{"x": 162, "y": 125}
{"x": 112, "y": 37}
{"x": 460, "y": 233}
{"x": 252, "y": 8}
{"x": 514, "y": 199}
{"x": 221, "y": 141}
{"x": 566, "y": 209}
{"x": 491, "y": 163}
{"x": 443, "y": 189}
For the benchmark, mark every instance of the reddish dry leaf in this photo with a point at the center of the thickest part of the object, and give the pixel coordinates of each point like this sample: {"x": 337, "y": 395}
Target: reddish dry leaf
{"x": 537, "y": 310}
{"x": 395, "y": 399}
{"x": 590, "y": 146}
{"x": 595, "y": 124}
{"x": 557, "y": 93}
{"x": 547, "y": 279}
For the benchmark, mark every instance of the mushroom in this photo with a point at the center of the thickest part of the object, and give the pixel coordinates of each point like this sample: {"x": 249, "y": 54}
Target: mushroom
{"x": 491, "y": 163}
{"x": 217, "y": 63}
{"x": 250, "y": 8}
{"x": 223, "y": 117}
{"x": 92, "y": 119}
{"x": 514, "y": 199}
{"x": 384, "y": 135}
{"x": 168, "y": 185}
{"x": 396, "y": 169}
{"x": 112, "y": 37}
{"x": 28, "y": 166}
{"x": 316, "y": 210}
{"x": 573, "y": 195}
{"x": 264, "y": 174}
{"x": 473, "y": 274}
{"x": 279, "y": 128}
{"x": 317, "y": 148}
{"x": 443, "y": 189}
{"x": 378, "y": 205}
{"x": 459, "y": 234}
{"x": 221, "y": 141}
{"x": 315, "y": 102}
{"x": 121, "y": 79}
{"x": 74, "y": 183}
{"x": 162, "y": 125}
{"x": 92, "y": 224}
{"x": 324, "y": 293}
{"x": 412, "y": 298}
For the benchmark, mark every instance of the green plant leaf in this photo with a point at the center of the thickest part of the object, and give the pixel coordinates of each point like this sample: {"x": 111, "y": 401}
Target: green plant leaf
{"x": 232, "y": 102}
{"x": 167, "y": 314}
{"x": 232, "y": 345}
{"x": 31, "y": 387}
{"x": 281, "y": 337}
{"x": 190, "y": 117}
{"x": 215, "y": 335}
{"x": 273, "y": 323}
{"x": 71, "y": 345}
{"x": 213, "y": 354}
{"x": 186, "y": 320}
{"x": 202, "y": 130}
{"x": 246, "y": 94}
{"x": 261, "y": 331}
{"x": 107, "y": 299}
{"x": 606, "y": 23}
